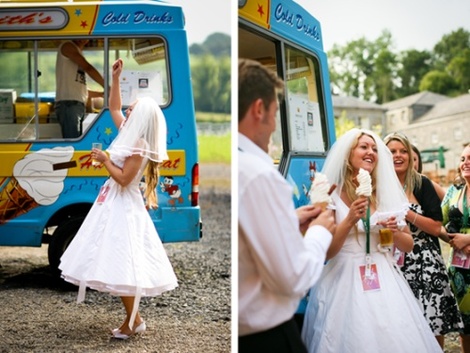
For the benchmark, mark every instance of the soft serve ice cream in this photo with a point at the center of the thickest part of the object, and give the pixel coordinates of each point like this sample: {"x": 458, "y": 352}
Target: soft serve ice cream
{"x": 365, "y": 183}
{"x": 319, "y": 191}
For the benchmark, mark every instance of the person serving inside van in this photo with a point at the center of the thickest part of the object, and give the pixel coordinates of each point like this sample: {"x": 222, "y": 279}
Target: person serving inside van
{"x": 71, "y": 88}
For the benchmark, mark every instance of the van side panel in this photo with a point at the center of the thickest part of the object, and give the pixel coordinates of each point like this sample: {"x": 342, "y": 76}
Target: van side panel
{"x": 75, "y": 181}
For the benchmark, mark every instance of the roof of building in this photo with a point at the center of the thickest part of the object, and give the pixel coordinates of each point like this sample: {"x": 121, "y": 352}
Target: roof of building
{"x": 452, "y": 106}
{"x": 354, "y": 103}
{"x": 421, "y": 98}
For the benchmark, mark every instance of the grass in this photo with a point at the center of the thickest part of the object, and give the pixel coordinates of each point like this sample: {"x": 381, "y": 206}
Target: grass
{"x": 215, "y": 148}
{"x": 209, "y": 117}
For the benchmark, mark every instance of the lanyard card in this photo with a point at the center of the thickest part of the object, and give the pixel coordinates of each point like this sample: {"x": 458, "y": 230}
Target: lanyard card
{"x": 460, "y": 259}
{"x": 370, "y": 281}
{"x": 103, "y": 193}
{"x": 399, "y": 257}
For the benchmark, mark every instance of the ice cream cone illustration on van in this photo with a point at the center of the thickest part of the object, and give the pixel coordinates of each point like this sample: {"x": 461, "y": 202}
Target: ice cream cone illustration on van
{"x": 38, "y": 179}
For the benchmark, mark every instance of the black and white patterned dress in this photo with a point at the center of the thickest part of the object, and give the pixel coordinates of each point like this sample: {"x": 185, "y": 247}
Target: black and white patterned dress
{"x": 425, "y": 269}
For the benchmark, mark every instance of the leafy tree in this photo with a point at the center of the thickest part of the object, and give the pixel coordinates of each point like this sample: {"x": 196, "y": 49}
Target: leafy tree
{"x": 211, "y": 84}
{"x": 364, "y": 69}
{"x": 414, "y": 64}
{"x": 211, "y": 73}
{"x": 216, "y": 44}
{"x": 459, "y": 69}
{"x": 343, "y": 124}
{"x": 384, "y": 75}
{"x": 223, "y": 102}
{"x": 450, "y": 46}
{"x": 197, "y": 49}
{"x": 438, "y": 82}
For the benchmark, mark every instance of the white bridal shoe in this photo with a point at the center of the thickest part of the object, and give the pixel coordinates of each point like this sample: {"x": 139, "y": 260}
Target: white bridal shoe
{"x": 139, "y": 329}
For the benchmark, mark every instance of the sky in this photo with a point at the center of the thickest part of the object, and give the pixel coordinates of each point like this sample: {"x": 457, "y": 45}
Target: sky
{"x": 204, "y": 17}
{"x": 414, "y": 24}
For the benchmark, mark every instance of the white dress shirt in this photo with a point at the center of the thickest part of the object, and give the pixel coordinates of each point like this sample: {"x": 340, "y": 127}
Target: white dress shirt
{"x": 276, "y": 265}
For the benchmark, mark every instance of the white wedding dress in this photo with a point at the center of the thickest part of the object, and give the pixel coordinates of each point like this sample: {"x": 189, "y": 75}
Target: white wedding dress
{"x": 343, "y": 318}
{"x": 117, "y": 249}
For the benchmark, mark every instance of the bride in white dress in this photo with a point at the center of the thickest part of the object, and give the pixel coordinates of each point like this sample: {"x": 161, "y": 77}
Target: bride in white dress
{"x": 117, "y": 249}
{"x": 361, "y": 305}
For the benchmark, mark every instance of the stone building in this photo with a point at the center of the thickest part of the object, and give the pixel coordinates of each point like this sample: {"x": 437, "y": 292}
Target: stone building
{"x": 431, "y": 121}
{"x": 364, "y": 114}
{"x": 445, "y": 125}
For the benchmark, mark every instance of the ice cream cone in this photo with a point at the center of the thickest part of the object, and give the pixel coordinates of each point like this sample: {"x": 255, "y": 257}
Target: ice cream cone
{"x": 14, "y": 200}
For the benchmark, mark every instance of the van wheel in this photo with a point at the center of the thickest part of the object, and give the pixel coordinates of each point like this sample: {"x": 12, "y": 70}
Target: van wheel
{"x": 61, "y": 239}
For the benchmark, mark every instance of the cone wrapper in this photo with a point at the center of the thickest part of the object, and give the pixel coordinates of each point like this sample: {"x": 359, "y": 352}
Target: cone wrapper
{"x": 322, "y": 205}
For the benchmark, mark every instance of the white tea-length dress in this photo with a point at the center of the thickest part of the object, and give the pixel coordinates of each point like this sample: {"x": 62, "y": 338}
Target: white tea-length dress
{"x": 117, "y": 249}
{"x": 342, "y": 317}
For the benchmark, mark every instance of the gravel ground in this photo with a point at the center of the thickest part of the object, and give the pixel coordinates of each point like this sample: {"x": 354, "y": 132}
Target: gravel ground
{"x": 40, "y": 314}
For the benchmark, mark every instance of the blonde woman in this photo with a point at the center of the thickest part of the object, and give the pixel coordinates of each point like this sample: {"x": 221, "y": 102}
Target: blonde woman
{"x": 456, "y": 210}
{"x": 362, "y": 303}
{"x": 117, "y": 249}
{"x": 424, "y": 268}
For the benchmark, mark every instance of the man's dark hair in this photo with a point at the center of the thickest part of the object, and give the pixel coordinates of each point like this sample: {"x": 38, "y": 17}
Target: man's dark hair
{"x": 255, "y": 81}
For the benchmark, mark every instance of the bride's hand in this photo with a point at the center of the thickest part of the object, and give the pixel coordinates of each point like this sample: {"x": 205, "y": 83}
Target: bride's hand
{"x": 358, "y": 209}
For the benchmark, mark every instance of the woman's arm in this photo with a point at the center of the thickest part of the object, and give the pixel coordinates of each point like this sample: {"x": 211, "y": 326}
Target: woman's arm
{"x": 401, "y": 236}
{"x": 357, "y": 210}
{"x": 426, "y": 224}
{"x": 122, "y": 176}
{"x": 115, "y": 104}
{"x": 431, "y": 220}
{"x": 403, "y": 239}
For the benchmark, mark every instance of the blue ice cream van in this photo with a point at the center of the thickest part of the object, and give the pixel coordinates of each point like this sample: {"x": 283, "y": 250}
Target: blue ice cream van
{"x": 287, "y": 39}
{"x": 47, "y": 182}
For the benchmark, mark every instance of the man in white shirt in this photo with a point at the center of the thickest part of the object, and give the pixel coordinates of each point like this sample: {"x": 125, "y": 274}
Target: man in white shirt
{"x": 71, "y": 86}
{"x": 276, "y": 264}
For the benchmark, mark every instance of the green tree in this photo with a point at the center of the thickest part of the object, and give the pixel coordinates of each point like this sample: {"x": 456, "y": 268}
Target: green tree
{"x": 216, "y": 44}
{"x": 384, "y": 75}
{"x": 414, "y": 64}
{"x": 438, "y": 82}
{"x": 211, "y": 83}
{"x": 459, "y": 69}
{"x": 364, "y": 69}
{"x": 197, "y": 49}
{"x": 450, "y": 46}
{"x": 343, "y": 124}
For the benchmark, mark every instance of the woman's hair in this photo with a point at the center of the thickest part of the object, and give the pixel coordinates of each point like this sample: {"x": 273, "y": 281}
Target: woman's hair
{"x": 144, "y": 133}
{"x": 152, "y": 173}
{"x": 459, "y": 180}
{"x": 350, "y": 183}
{"x": 412, "y": 177}
{"x": 420, "y": 162}
{"x": 387, "y": 190}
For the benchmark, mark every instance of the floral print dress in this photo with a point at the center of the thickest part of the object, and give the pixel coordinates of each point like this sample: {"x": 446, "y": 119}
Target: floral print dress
{"x": 425, "y": 269}
{"x": 459, "y": 277}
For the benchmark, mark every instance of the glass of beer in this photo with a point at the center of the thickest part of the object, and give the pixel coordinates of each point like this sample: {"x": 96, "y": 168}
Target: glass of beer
{"x": 99, "y": 146}
{"x": 386, "y": 238}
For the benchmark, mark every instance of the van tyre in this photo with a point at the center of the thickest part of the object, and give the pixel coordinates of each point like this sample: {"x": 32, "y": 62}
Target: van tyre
{"x": 61, "y": 239}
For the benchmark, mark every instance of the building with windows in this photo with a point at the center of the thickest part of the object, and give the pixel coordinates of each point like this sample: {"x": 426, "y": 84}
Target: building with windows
{"x": 438, "y": 125}
{"x": 363, "y": 114}
{"x": 446, "y": 125}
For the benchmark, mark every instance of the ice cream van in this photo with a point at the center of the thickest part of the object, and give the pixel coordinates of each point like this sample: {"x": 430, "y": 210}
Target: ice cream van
{"x": 48, "y": 182}
{"x": 287, "y": 39}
